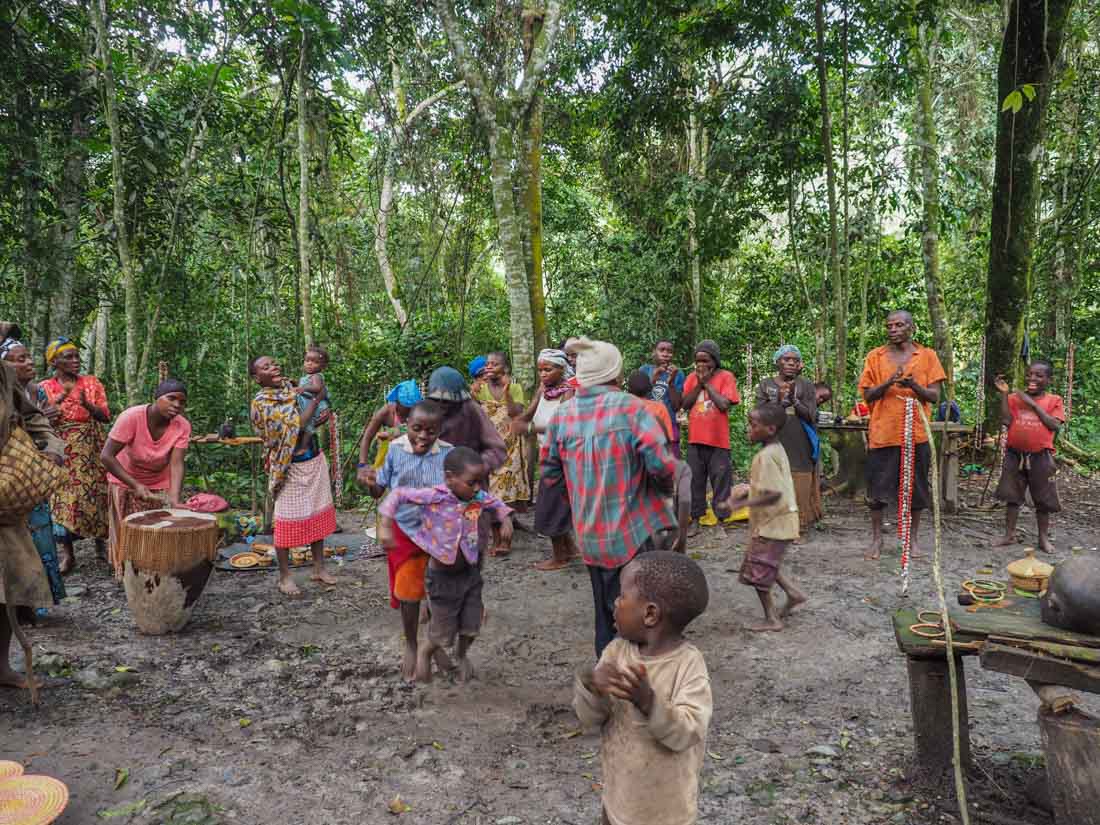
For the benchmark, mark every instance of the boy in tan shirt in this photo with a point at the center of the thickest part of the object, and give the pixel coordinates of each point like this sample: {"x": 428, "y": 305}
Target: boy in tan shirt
{"x": 773, "y": 516}
{"x": 650, "y": 692}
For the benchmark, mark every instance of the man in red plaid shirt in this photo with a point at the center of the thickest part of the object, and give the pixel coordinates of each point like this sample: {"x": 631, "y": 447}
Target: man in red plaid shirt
{"x": 614, "y": 460}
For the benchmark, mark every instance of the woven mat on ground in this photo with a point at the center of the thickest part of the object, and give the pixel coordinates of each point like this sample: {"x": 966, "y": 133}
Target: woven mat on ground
{"x": 358, "y": 545}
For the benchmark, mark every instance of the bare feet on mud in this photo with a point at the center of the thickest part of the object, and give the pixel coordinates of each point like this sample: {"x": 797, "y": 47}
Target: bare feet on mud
{"x": 408, "y": 663}
{"x": 10, "y": 679}
{"x": 873, "y": 551}
{"x": 324, "y": 577}
{"x": 1004, "y": 541}
{"x": 792, "y": 603}
{"x": 464, "y": 671}
{"x": 766, "y": 627}
{"x": 549, "y": 565}
{"x": 288, "y": 588}
{"x": 1046, "y": 545}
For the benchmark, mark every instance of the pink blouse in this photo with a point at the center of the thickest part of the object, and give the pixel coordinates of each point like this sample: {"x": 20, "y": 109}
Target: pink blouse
{"x": 143, "y": 458}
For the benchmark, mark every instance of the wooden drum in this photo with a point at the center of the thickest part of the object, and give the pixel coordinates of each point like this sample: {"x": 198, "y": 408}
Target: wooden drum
{"x": 168, "y": 556}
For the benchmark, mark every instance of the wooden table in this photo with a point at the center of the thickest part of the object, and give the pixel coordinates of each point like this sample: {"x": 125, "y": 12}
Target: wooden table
{"x": 249, "y": 441}
{"x": 1011, "y": 638}
{"x": 849, "y": 439}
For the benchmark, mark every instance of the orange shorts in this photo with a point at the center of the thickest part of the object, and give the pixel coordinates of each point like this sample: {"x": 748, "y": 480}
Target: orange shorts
{"x": 408, "y": 582}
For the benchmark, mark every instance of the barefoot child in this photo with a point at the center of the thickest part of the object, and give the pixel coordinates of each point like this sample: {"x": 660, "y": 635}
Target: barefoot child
{"x": 650, "y": 693}
{"x": 1033, "y": 417}
{"x": 773, "y": 516}
{"x": 311, "y": 386}
{"x": 412, "y": 460}
{"x": 442, "y": 521}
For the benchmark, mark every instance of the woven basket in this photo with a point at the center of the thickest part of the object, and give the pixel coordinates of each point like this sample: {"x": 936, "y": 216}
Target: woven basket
{"x": 27, "y": 477}
{"x": 168, "y": 541}
{"x": 32, "y": 800}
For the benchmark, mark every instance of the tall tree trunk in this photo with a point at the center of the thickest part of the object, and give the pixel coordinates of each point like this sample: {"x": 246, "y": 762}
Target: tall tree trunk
{"x": 32, "y": 261}
{"x": 814, "y": 308}
{"x": 67, "y": 230}
{"x": 102, "y": 330}
{"x": 304, "y": 243}
{"x": 502, "y": 113}
{"x": 1032, "y": 40}
{"x": 930, "y": 204}
{"x": 840, "y": 319}
{"x": 695, "y": 267}
{"x": 532, "y": 201}
{"x": 532, "y": 195}
{"x": 122, "y": 233}
{"x": 382, "y": 233}
{"x": 501, "y": 158}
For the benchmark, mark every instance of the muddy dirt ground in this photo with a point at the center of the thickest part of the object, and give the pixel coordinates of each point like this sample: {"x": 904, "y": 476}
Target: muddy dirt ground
{"x": 272, "y": 711}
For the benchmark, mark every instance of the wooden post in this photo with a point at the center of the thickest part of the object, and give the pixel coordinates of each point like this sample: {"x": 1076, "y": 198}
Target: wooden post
{"x": 930, "y": 701}
{"x": 950, "y": 473}
{"x": 1071, "y": 742}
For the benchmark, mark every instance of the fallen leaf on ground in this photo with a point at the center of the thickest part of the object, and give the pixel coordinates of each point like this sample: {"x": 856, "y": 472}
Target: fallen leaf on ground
{"x": 129, "y": 809}
{"x": 121, "y": 775}
{"x": 399, "y": 806}
{"x": 244, "y": 723}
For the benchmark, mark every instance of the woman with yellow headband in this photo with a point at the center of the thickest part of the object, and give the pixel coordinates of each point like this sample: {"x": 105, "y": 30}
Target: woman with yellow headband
{"x": 79, "y": 506}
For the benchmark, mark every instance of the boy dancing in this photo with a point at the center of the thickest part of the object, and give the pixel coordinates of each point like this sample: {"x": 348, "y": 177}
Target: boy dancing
{"x": 442, "y": 521}
{"x": 773, "y": 516}
{"x": 650, "y": 693}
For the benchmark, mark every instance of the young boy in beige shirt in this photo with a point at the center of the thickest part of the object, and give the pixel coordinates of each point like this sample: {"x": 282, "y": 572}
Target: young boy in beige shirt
{"x": 650, "y": 692}
{"x": 773, "y": 516}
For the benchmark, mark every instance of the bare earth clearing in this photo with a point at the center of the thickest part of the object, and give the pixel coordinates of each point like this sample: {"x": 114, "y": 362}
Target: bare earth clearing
{"x": 270, "y": 711}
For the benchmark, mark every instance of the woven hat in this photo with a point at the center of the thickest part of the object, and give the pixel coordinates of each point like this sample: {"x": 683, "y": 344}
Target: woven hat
{"x": 32, "y": 800}
{"x": 10, "y": 769}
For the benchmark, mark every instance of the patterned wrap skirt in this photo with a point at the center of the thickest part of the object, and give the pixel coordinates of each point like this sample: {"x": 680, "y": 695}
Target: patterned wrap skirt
{"x": 304, "y": 512}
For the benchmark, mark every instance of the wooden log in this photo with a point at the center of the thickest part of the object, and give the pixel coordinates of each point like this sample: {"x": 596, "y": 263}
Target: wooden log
{"x": 1090, "y": 655}
{"x": 1039, "y": 667}
{"x": 930, "y": 702}
{"x": 1071, "y": 743}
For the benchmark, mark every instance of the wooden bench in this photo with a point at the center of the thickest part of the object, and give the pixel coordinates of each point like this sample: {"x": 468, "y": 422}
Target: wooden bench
{"x": 1010, "y": 638}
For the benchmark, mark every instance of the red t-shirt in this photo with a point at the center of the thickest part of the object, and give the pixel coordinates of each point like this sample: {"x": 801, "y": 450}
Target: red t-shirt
{"x": 706, "y": 423}
{"x": 1027, "y": 433}
{"x": 143, "y": 458}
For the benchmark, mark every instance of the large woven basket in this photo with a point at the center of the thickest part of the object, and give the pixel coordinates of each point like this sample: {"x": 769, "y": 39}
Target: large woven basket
{"x": 169, "y": 541}
{"x": 27, "y": 477}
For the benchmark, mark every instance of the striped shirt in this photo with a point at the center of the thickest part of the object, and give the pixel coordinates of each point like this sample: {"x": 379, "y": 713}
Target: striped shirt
{"x": 612, "y": 455}
{"x": 404, "y": 468}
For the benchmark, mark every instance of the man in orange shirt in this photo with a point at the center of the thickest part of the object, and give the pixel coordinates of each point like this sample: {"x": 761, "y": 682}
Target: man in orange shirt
{"x": 901, "y": 369}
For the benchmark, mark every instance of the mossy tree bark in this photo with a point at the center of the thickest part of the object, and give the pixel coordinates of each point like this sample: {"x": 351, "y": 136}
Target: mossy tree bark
{"x": 1029, "y": 51}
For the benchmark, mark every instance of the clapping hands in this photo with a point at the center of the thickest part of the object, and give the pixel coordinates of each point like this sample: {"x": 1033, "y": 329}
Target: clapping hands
{"x": 629, "y": 684}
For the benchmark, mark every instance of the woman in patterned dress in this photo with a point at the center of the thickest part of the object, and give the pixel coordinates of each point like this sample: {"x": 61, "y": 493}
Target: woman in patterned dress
{"x": 79, "y": 507}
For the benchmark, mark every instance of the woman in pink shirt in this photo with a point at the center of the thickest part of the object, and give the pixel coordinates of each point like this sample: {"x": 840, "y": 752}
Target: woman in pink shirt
{"x": 144, "y": 458}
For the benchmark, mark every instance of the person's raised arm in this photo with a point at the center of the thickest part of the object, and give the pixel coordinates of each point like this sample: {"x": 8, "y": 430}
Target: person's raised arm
{"x": 1049, "y": 421}
{"x": 805, "y": 407}
{"x": 722, "y": 401}
{"x": 873, "y": 394}
{"x": 690, "y": 396}
{"x": 373, "y": 426}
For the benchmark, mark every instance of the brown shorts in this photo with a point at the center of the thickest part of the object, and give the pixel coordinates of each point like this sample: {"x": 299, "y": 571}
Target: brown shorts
{"x": 455, "y": 602}
{"x": 1036, "y": 472}
{"x": 762, "y": 560}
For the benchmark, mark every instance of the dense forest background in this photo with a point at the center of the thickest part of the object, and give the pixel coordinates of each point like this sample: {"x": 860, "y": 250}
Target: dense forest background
{"x": 415, "y": 183}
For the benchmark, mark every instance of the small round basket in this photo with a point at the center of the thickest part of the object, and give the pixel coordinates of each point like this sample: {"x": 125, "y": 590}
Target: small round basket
{"x": 1029, "y": 573}
{"x": 9, "y": 770}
